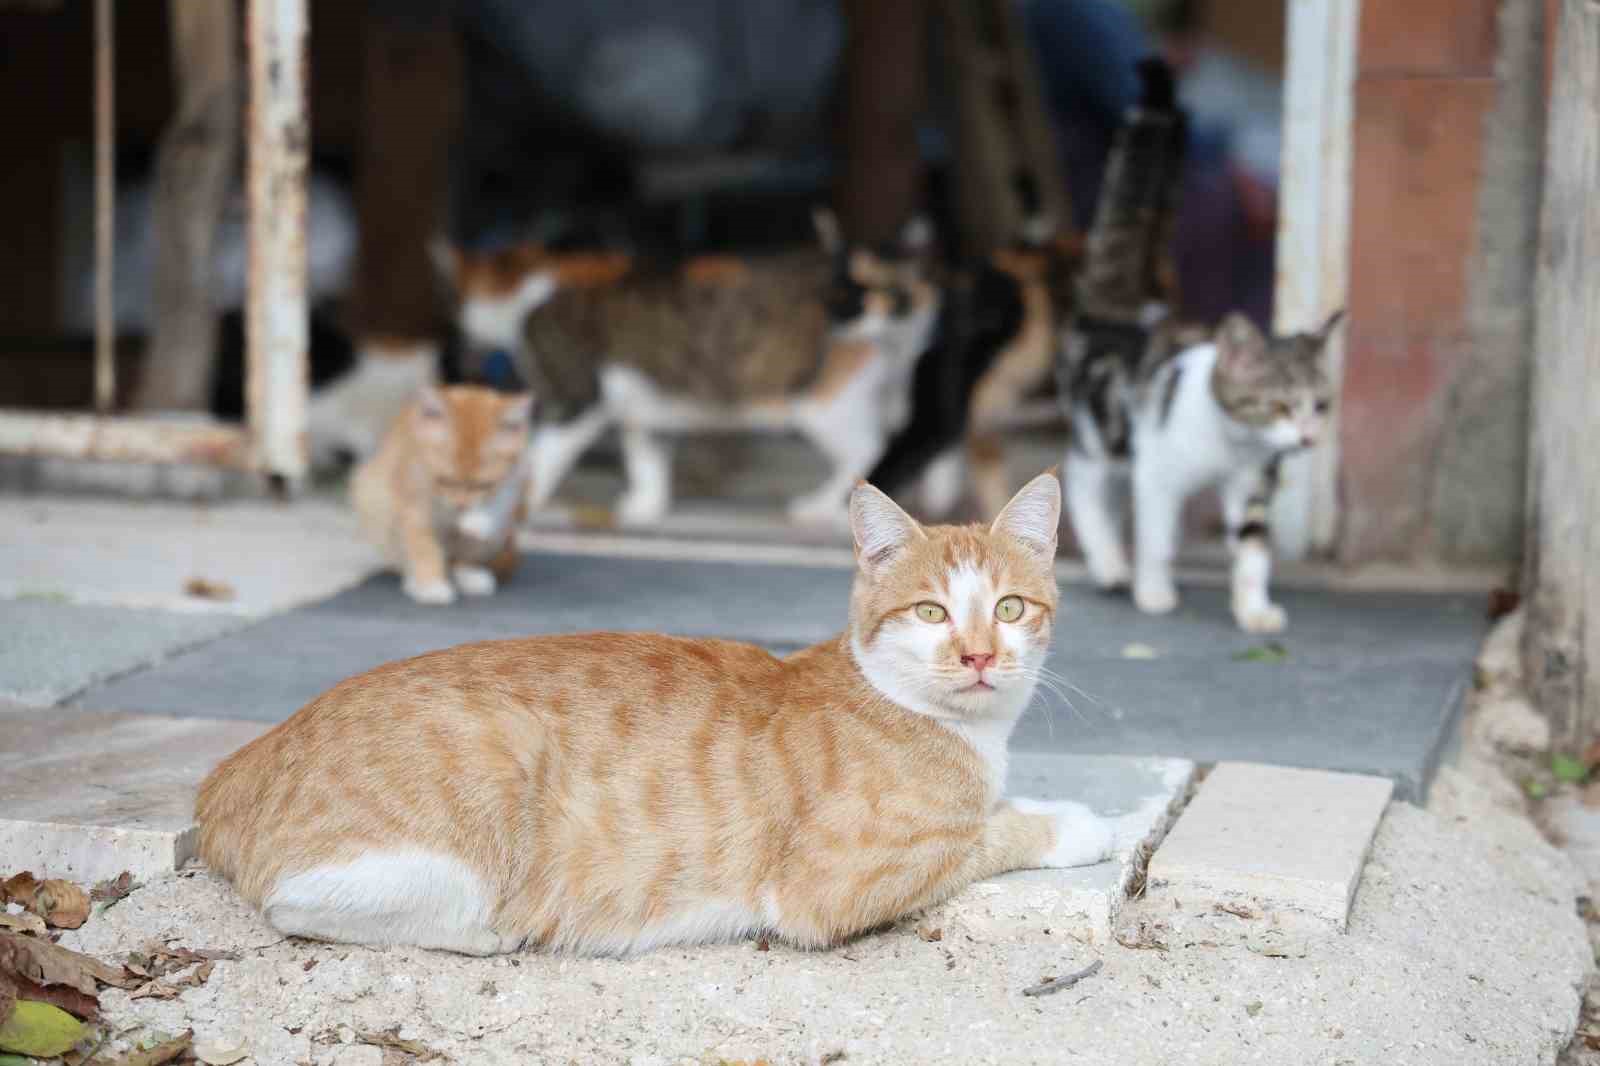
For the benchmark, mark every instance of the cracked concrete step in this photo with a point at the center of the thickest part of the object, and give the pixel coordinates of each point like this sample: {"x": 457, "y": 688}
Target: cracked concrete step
{"x": 1273, "y": 843}
{"x": 89, "y": 794}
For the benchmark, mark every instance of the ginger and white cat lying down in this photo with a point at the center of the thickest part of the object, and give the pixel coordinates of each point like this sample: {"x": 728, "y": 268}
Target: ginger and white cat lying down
{"x": 611, "y": 793}
{"x": 443, "y": 495}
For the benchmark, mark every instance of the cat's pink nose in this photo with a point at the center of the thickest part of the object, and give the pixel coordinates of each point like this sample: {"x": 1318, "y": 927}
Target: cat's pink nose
{"x": 979, "y": 662}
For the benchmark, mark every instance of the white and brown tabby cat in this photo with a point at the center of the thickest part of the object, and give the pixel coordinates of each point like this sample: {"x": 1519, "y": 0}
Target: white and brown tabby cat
{"x": 820, "y": 341}
{"x": 442, "y": 495}
{"x": 610, "y": 793}
{"x": 1192, "y": 417}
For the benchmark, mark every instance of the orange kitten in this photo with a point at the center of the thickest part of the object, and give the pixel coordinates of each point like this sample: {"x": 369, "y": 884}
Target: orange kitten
{"x": 611, "y": 793}
{"x": 443, "y": 493}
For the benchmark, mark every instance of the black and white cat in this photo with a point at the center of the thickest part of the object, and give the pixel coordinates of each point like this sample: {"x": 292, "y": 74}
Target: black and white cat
{"x": 1213, "y": 415}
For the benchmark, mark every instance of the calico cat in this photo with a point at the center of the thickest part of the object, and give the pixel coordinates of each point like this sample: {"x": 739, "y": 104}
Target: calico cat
{"x": 442, "y": 494}
{"x": 824, "y": 343}
{"x": 1218, "y": 414}
{"x": 609, "y": 793}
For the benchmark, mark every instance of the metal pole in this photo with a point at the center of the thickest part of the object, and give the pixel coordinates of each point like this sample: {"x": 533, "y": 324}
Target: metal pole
{"x": 105, "y": 163}
{"x": 278, "y": 153}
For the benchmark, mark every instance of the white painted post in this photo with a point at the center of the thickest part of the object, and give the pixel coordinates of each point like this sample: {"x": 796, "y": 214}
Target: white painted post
{"x": 1314, "y": 242}
{"x": 277, "y": 322}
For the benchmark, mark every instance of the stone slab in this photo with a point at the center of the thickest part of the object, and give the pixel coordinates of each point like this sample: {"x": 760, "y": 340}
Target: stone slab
{"x": 142, "y": 554}
{"x": 1276, "y": 842}
{"x": 50, "y": 650}
{"x": 88, "y": 794}
{"x": 1369, "y": 681}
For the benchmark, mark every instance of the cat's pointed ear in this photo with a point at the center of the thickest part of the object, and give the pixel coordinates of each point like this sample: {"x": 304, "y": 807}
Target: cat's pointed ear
{"x": 1241, "y": 347}
{"x": 880, "y": 529}
{"x": 829, "y": 235}
{"x": 1329, "y": 326}
{"x": 1033, "y": 515}
{"x": 446, "y": 258}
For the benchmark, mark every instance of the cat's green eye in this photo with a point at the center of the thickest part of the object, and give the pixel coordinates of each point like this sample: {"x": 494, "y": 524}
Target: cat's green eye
{"x": 931, "y": 612}
{"x": 1009, "y": 609}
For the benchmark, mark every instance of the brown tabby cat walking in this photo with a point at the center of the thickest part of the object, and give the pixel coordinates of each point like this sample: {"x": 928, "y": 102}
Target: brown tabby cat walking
{"x": 610, "y": 793}
{"x": 443, "y": 494}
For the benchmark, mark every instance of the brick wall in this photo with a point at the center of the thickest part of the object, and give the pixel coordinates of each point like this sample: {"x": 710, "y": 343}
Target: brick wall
{"x": 1442, "y": 218}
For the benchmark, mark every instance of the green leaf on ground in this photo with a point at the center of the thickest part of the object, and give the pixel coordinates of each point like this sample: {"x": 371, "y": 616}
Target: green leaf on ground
{"x": 1535, "y": 788}
{"x": 39, "y": 1030}
{"x": 1568, "y": 769}
{"x": 1270, "y": 652}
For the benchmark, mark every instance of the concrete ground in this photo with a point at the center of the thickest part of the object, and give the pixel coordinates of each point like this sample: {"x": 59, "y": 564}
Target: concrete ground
{"x": 1462, "y": 943}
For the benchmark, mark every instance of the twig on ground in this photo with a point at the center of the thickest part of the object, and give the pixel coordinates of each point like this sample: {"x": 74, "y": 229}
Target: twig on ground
{"x": 1056, "y": 984}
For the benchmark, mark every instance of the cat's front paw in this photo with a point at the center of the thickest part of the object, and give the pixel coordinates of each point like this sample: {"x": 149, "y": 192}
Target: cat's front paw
{"x": 474, "y": 580}
{"x": 1155, "y": 596}
{"x": 1263, "y": 618}
{"x": 434, "y": 593}
{"x": 1110, "y": 575}
{"x": 1082, "y": 838}
{"x": 640, "y": 508}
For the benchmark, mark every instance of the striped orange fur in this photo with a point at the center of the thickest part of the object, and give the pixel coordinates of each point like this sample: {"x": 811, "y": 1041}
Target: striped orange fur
{"x": 609, "y": 793}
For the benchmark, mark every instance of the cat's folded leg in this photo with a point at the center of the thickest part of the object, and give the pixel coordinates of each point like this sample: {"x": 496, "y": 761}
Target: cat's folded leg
{"x": 648, "y": 460}
{"x": 1246, "y": 499}
{"x": 1079, "y": 836}
{"x": 1157, "y": 510}
{"x": 1090, "y": 503}
{"x": 419, "y": 898}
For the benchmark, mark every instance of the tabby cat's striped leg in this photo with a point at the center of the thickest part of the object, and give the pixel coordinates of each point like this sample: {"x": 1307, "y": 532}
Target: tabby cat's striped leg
{"x": 1246, "y": 501}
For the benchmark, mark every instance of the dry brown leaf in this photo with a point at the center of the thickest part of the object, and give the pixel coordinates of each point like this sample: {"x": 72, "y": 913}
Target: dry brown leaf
{"x": 69, "y": 999}
{"x": 171, "y": 988}
{"x": 113, "y": 889}
{"x": 60, "y": 903}
{"x": 930, "y": 935}
{"x": 223, "y": 1052}
{"x": 45, "y": 963}
{"x": 155, "y": 1056}
{"x": 390, "y": 1038}
{"x": 31, "y": 924}
{"x": 205, "y": 589}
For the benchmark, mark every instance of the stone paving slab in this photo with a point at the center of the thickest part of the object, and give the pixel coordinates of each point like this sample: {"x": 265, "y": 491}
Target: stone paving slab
{"x": 88, "y": 794}
{"x": 1272, "y": 842}
{"x": 142, "y": 554}
{"x": 50, "y": 651}
{"x": 1368, "y": 682}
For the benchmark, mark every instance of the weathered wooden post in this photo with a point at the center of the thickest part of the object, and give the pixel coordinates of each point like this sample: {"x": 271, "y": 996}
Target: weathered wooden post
{"x": 277, "y": 320}
{"x": 194, "y": 170}
{"x": 1561, "y": 644}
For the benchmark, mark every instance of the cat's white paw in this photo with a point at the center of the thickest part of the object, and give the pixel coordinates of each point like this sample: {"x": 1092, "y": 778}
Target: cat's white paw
{"x": 640, "y": 508}
{"x": 1155, "y": 596}
{"x": 474, "y": 580}
{"x": 820, "y": 509}
{"x": 1082, "y": 837}
{"x": 1264, "y": 618}
{"x": 433, "y": 593}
